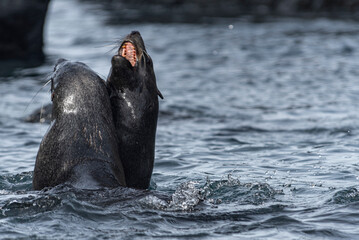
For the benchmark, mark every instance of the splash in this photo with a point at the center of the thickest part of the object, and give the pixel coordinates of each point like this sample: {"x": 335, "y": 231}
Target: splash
{"x": 186, "y": 197}
{"x": 189, "y": 195}
{"x": 231, "y": 190}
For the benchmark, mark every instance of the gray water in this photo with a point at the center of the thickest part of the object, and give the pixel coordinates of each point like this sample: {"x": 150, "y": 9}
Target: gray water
{"x": 257, "y": 135}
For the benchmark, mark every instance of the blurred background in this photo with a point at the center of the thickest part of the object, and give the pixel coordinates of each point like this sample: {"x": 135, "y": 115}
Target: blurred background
{"x": 257, "y": 136}
{"x": 22, "y": 22}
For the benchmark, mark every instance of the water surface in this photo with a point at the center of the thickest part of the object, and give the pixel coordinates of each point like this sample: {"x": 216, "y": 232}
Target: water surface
{"x": 257, "y": 135}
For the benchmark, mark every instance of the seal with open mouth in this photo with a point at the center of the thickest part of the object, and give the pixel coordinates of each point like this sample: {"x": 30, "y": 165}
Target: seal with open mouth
{"x": 80, "y": 146}
{"x": 134, "y": 100}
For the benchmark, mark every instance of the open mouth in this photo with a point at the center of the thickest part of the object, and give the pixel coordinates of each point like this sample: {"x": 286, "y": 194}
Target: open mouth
{"x": 128, "y": 51}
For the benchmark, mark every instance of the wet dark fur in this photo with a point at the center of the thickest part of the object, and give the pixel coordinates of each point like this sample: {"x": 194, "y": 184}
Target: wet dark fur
{"x": 134, "y": 101}
{"x": 80, "y": 146}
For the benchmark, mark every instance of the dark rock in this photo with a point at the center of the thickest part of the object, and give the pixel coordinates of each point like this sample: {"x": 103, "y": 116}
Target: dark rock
{"x": 202, "y": 10}
{"x": 21, "y": 29}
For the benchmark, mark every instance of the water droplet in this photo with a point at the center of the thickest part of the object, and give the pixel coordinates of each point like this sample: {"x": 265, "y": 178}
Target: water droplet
{"x": 230, "y": 27}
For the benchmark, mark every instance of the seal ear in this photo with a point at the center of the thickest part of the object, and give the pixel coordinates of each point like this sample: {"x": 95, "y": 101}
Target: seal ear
{"x": 159, "y": 94}
{"x": 58, "y": 62}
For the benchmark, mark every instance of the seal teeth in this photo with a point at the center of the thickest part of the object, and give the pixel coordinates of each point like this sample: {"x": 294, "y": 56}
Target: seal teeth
{"x": 128, "y": 51}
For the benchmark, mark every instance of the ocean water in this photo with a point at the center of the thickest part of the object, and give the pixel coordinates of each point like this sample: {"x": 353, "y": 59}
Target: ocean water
{"x": 257, "y": 136}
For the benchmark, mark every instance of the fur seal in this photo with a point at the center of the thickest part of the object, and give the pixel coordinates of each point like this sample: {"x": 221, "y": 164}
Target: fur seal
{"x": 134, "y": 100}
{"x": 80, "y": 146}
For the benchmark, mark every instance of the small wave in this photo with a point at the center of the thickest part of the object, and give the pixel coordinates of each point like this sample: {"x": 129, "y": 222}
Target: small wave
{"x": 17, "y": 182}
{"x": 226, "y": 132}
{"x": 30, "y": 204}
{"x": 231, "y": 190}
{"x": 242, "y": 129}
{"x": 349, "y": 195}
{"x": 183, "y": 113}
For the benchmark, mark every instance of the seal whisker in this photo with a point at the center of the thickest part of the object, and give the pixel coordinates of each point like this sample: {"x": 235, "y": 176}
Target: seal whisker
{"x": 145, "y": 52}
{"x": 41, "y": 111}
{"x": 107, "y": 45}
{"x": 32, "y": 99}
{"x": 116, "y": 44}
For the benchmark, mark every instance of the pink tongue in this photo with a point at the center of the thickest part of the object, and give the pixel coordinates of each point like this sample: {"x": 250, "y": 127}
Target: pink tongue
{"x": 128, "y": 51}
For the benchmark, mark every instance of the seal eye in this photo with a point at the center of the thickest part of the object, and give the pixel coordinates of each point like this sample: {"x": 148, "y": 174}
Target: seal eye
{"x": 129, "y": 52}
